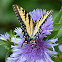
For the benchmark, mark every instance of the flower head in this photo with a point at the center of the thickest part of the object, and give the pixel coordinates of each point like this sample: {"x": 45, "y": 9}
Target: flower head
{"x": 23, "y": 52}
{"x": 30, "y": 52}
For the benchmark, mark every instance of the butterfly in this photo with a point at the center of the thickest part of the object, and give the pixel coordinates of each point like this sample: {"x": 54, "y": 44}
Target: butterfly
{"x": 30, "y": 29}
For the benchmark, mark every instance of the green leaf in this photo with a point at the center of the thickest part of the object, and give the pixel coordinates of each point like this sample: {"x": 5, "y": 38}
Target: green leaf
{"x": 57, "y": 26}
{"x": 5, "y": 44}
{"x": 2, "y": 53}
{"x": 58, "y": 16}
{"x": 59, "y": 33}
{"x": 58, "y": 20}
{"x": 53, "y": 34}
{"x": 7, "y": 54}
{"x": 11, "y": 33}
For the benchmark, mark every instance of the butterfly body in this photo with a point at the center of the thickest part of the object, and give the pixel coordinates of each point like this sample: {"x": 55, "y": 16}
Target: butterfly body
{"x": 30, "y": 29}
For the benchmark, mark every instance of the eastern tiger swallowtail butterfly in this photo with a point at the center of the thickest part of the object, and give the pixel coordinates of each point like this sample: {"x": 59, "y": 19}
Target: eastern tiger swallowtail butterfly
{"x": 30, "y": 29}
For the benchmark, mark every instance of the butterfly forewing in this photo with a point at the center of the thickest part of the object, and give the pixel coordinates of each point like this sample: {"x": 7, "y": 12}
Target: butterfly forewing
{"x": 25, "y": 18}
{"x": 41, "y": 21}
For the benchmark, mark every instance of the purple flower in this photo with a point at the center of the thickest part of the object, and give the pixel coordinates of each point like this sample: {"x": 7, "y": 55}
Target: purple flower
{"x": 6, "y": 37}
{"x": 23, "y": 52}
{"x": 37, "y": 14}
{"x": 30, "y": 52}
{"x": 60, "y": 48}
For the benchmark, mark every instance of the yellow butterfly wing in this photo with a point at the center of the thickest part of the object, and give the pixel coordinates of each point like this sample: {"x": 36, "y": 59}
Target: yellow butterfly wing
{"x": 41, "y": 21}
{"x": 24, "y": 18}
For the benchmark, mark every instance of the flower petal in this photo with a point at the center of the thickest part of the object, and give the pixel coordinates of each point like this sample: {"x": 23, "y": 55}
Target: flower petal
{"x": 17, "y": 40}
{"x": 6, "y": 37}
{"x": 19, "y": 32}
{"x": 60, "y": 48}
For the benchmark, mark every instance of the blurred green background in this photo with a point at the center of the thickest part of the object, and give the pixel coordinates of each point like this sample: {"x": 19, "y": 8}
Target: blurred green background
{"x": 8, "y": 19}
